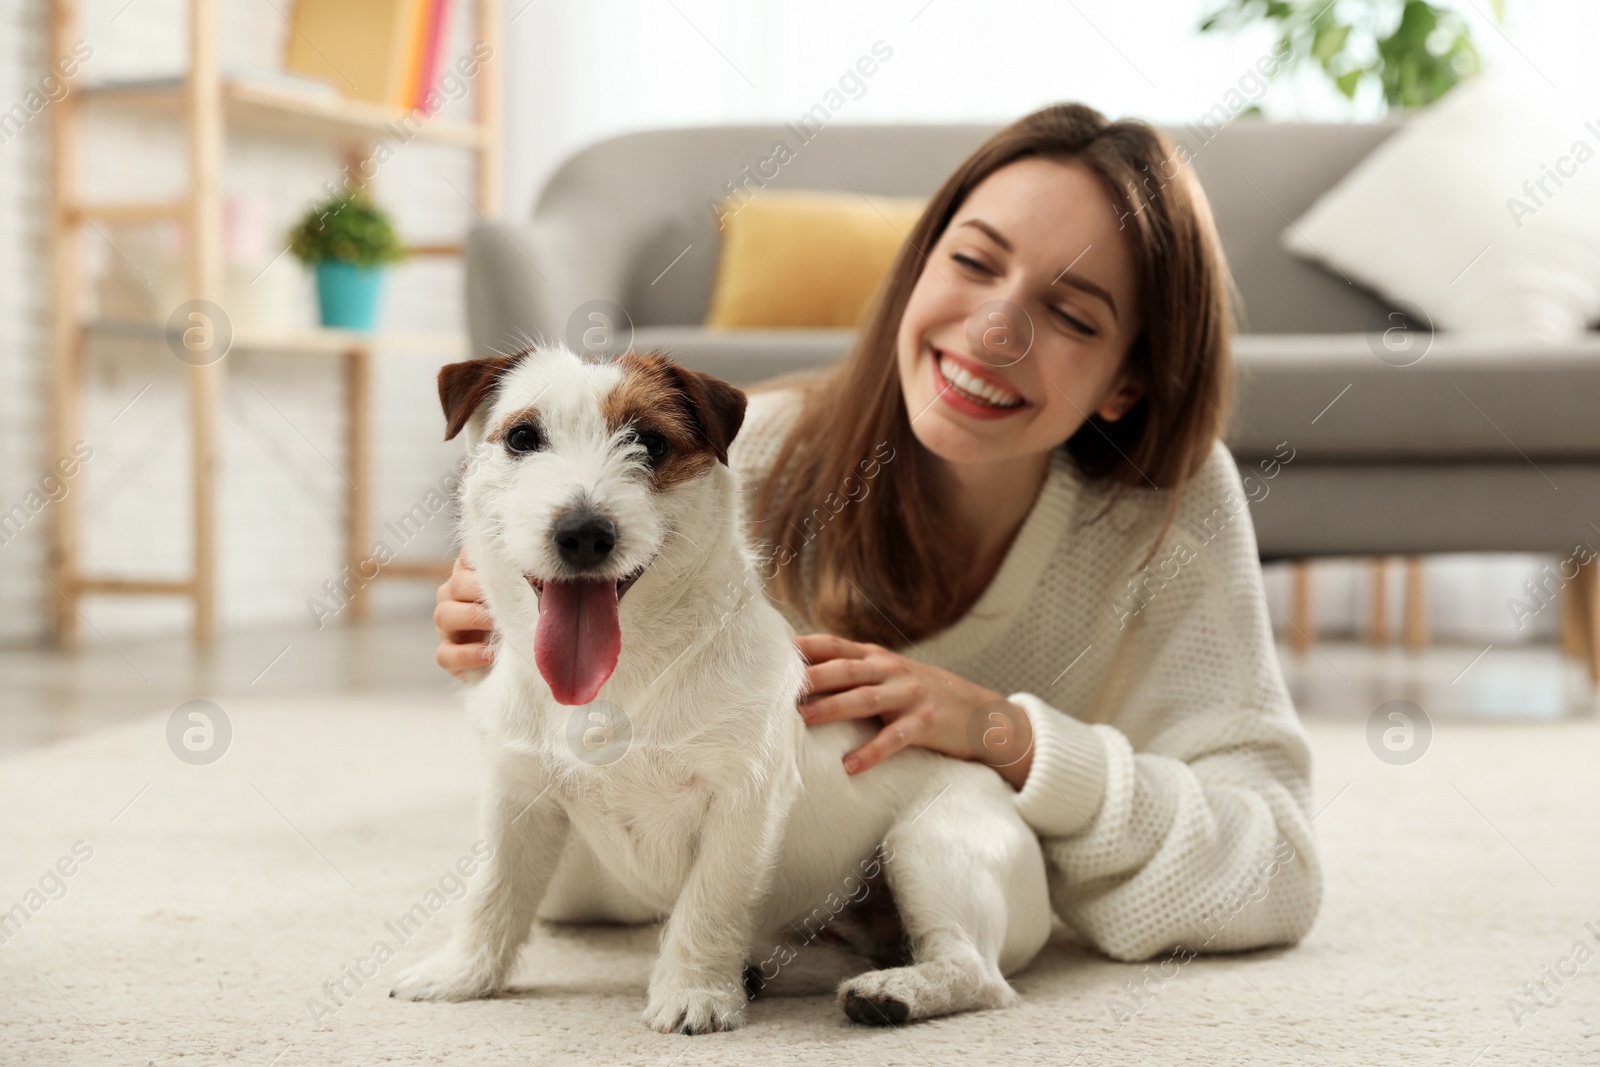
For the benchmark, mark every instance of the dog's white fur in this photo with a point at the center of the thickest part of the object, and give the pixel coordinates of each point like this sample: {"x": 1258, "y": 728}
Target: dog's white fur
{"x": 726, "y": 813}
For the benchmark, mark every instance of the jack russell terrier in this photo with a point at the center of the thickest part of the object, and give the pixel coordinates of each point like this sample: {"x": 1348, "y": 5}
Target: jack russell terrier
{"x": 645, "y": 754}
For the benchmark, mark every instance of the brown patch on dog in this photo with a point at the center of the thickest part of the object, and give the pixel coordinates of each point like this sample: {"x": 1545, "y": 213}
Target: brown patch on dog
{"x": 463, "y": 386}
{"x": 498, "y": 431}
{"x": 699, "y": 415}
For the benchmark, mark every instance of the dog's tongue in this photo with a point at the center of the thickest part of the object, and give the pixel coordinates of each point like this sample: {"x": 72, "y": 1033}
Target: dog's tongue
{"x": 578, "y": 640}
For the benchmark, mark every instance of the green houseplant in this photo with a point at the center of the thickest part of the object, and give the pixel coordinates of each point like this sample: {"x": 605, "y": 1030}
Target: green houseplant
{"x": 1417, "y": 51}
{"x": 347, "y": 240}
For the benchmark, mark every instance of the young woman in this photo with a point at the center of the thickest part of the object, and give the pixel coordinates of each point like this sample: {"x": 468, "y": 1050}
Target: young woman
{"x": 1006, "y": 527}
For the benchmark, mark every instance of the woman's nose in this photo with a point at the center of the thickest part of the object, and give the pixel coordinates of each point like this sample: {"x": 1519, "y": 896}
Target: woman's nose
{"x": 1000, "y": 331}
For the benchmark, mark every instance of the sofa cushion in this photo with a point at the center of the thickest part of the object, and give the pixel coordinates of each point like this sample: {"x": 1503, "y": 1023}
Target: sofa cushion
{"x": 1351, "y": 509}
{"x": 1462, "y": 215}
{"x": 809, "y": 258}
{"x": 1464, "y": 399}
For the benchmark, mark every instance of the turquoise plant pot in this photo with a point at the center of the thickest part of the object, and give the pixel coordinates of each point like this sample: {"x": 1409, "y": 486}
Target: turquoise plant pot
{"x": 348, "y": 295}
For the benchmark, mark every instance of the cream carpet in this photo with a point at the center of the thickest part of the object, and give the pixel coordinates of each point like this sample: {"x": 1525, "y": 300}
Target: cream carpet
{"x": 219, "y": 900}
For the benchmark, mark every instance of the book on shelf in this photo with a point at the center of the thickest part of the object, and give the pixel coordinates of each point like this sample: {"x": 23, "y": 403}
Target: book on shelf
{"x": 414, "y": 47}
{"x": 367, "y": 48}
{"x": 433, "y": 48}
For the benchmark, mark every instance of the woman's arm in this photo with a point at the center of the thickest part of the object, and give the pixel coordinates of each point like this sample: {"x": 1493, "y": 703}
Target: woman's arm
{"x": 1180, "y": 817}
{"x": 1201, "y": 839}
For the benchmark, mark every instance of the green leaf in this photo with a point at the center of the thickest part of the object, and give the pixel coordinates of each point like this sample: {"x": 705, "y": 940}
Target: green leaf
{"x": 1230, "y": 12}
{"x": 1417, "y": 20}
{"x": 1409, "y": 74}
{"x": 1329, "y": 42}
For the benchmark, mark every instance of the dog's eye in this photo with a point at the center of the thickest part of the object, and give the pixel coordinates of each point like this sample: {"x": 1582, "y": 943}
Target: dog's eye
{"x": 523, "y": 438}
{"x": 655, "y": 445}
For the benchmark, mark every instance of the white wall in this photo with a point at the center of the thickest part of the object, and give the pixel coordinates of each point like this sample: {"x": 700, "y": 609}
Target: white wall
{"x": 612, "y": 65}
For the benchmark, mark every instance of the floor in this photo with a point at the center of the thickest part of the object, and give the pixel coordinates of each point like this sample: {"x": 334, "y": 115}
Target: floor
{"x": 1483, "y": 683}
{"x": 49, "y": 695}
{"x": 257, "y": 910}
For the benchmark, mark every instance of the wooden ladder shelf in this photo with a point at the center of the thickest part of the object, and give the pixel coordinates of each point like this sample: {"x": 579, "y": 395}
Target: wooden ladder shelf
{"x": 209, "y": 106}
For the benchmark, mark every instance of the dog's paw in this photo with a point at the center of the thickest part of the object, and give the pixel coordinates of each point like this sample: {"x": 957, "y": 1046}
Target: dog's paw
{"x": 446, "y": 975}
{"x": 695, "y": 1011}
{"x": 898, "y": 995}
{"x": 874, "y": 1008}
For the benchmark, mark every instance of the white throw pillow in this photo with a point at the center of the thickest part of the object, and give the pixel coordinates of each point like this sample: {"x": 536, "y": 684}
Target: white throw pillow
{"x": 1449, "y": 213}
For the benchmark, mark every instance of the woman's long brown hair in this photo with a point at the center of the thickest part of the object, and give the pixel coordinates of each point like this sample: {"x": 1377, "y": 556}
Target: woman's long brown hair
{"x": 883, "y": 569}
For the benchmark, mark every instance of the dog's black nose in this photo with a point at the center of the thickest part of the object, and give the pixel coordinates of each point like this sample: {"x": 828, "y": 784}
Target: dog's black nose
{"x": 584, "y": 539}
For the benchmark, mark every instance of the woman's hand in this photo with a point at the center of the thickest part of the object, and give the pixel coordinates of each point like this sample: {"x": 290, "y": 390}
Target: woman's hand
{"x": 919, "y": 704}
{"x": 463, "y": 621}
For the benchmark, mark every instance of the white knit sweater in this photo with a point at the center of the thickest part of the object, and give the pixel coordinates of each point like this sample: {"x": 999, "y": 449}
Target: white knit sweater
{"x": 1170, "y": 776}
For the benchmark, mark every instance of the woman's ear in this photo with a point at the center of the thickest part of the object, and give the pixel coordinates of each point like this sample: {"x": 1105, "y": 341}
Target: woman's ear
{"x": 1120, "y": 400}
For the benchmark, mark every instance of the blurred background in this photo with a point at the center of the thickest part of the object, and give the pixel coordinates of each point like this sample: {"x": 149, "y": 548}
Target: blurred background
{"x": 517, "y": 88}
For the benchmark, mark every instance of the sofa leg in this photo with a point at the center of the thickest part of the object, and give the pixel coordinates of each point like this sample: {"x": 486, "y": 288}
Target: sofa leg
{"x": 1380, "y": 600}
{"x": 1580, "y": 618}
{"x": 1300, "y": 607}
{"x": 1574, "y": 628}
{"x": 1417, "y": 630}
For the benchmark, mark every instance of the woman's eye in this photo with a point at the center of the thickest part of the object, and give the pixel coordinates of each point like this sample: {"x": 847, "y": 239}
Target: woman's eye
{"x": 523, "y": 438}
{"x": 970, "y": 263}
{"x": 655, "y": 446}
{"x": 1077, "y": 324}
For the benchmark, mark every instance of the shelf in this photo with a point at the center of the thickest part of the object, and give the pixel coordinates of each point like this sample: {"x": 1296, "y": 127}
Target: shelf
{"x": 204, "y": 101}
{"x": 438, "y": 569}
{"x": 312, "y": 341}
{"x": 132, "y": 586}
{"x": 334, "y": 342}
{"x": 131, "y": 212}
{"x": 265, "y": 109}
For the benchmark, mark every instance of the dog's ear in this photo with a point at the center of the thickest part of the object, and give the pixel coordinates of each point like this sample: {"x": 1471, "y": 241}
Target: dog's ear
{"x": 716, "y": 407}
{"x": 463, "y": 386}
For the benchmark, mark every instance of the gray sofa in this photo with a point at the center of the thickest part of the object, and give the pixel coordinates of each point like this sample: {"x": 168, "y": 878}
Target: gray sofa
{"x": 1476, "y": 446}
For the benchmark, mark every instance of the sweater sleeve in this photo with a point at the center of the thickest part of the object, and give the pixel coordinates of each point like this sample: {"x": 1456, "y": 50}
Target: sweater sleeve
{"x": 1181, "y": 820}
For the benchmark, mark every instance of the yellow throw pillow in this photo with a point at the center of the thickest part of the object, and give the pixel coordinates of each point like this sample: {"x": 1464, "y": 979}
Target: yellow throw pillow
{"x": 805, "y": 259}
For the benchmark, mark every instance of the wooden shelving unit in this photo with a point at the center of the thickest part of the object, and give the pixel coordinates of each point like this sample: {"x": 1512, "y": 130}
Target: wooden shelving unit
{"x": 209, "y": 106}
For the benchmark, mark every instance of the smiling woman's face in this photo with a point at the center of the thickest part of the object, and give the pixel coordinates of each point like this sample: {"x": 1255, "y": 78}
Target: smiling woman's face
{"x": 1016, "y": 330}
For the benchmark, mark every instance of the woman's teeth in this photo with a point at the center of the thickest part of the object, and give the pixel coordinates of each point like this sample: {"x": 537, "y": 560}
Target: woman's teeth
{"x": 975, "y": 389}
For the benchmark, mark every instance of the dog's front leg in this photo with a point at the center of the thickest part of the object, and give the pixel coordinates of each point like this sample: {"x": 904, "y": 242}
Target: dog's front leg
{"x": 697, "y": 985}
{"x": 527, "y": 838}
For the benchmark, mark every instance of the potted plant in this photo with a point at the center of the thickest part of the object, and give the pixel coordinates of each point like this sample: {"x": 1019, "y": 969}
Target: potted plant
{"x": 347, "y": 240}
{"x": 1415, "y": 50}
